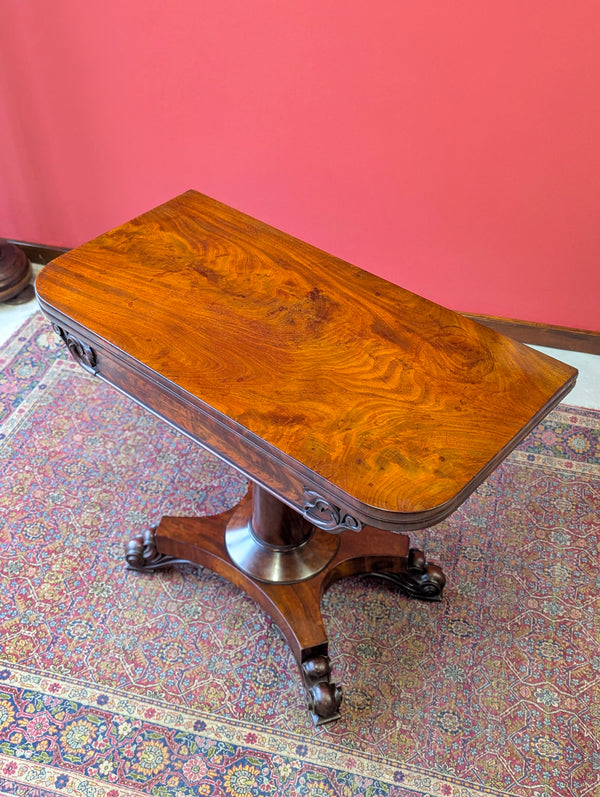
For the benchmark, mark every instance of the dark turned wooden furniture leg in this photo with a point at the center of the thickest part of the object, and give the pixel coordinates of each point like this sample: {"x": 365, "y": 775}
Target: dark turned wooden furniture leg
{"x": 15, "y": 274}
{"x": 285, "y": 564}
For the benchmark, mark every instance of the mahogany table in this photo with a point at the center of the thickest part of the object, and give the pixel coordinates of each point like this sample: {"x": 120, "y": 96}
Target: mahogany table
{"x": 357, "y": 410}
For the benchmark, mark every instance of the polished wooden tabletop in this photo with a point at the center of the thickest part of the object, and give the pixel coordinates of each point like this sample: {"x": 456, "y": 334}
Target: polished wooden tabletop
{"x": 390, "y": 403}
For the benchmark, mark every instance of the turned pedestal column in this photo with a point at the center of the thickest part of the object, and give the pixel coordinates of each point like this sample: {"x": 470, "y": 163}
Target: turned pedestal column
{"x": 15, "y": 273}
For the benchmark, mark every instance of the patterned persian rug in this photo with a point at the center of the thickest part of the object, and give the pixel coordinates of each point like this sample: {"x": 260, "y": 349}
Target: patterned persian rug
{"x": 116, "y": 683}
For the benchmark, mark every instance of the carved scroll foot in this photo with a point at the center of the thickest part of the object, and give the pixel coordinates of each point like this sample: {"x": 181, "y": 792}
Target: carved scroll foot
{"x": 420, "y": 579}
{"x": 323, "y": 696}
{"x": 141, "y": 554}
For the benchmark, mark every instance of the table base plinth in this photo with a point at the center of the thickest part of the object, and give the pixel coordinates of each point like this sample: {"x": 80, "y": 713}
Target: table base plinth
{"x": 293, "y": 606}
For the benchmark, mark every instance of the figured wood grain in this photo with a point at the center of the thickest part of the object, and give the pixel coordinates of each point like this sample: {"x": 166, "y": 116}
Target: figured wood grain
{"x": 399, "y": 404}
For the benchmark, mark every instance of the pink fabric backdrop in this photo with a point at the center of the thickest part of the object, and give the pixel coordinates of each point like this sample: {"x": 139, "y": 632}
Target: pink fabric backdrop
{"x": 451, "y": 146}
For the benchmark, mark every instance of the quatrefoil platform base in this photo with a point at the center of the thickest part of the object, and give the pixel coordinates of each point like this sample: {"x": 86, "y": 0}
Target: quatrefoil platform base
{"x": 285, "y": 564}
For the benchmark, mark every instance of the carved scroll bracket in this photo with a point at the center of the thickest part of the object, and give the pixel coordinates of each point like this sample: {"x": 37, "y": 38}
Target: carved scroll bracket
{"x": 324, "y": 515}
{"x": 324, "y": 697}
{"x": 80, "y": 351}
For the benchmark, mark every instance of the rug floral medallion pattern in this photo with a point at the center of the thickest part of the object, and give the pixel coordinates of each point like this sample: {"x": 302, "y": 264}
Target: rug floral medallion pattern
{"x": 116, "y": 683}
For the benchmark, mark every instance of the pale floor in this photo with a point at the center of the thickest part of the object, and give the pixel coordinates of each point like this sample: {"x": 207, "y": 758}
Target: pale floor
{"x": 586, "y": 392}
